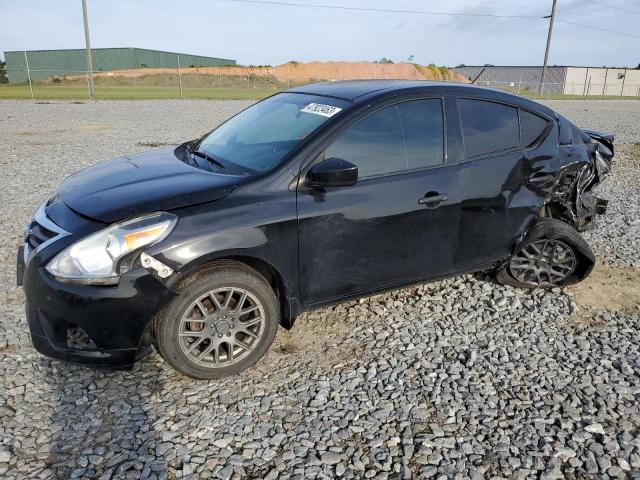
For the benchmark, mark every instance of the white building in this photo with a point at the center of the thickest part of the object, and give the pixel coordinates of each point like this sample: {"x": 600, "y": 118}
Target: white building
{"x": 586, "y": 81}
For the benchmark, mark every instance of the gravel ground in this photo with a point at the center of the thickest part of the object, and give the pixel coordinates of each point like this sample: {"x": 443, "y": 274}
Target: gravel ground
{"x": 456, "y": 379}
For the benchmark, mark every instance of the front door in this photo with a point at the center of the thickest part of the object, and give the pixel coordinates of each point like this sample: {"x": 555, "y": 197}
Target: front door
{"x": 398, "y": 223}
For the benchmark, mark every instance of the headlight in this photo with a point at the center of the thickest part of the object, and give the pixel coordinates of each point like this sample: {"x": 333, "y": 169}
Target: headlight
{"x": 96, "y": 259}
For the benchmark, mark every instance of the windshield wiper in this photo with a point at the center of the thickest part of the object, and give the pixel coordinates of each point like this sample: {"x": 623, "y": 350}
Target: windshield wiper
{"x": 207, "y": 157}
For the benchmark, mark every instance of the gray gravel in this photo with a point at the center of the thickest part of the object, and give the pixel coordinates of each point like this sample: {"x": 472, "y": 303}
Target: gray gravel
{"x": 621, "y": 117}
{"x": 456, "y": 379}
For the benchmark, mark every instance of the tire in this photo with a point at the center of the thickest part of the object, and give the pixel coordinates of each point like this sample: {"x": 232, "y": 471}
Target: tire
{"x": 208, "y": 310}
{"x": 565, "y": 244}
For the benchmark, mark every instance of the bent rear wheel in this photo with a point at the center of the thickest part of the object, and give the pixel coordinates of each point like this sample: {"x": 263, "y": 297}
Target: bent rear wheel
{"x": 221, "y": 323}
{"x": 552, "y": 255}
{"x": 543, "y": 263}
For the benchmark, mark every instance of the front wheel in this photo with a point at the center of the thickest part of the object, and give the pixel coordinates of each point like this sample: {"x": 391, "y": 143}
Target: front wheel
{"x": 223, "y": 322}
{"x": 552, "y": 255}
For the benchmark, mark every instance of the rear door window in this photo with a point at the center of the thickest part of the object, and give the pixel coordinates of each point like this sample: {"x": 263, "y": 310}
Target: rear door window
{"x": 488, "y": 127}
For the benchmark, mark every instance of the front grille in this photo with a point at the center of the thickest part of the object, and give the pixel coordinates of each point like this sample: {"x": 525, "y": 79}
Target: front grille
{"x": 37, "y": 234}
{"x": 41, "y": 231}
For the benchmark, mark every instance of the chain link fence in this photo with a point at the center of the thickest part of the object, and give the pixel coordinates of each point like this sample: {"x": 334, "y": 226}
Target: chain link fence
{"x": 566, "y": 90}
{"x": 228, "y": 84}
{"x": 142, "y": 84}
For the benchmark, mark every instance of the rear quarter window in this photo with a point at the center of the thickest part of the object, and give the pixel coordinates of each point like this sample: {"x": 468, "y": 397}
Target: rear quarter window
{"x": 531, "y": 127}
{"x": 488, "y": 127}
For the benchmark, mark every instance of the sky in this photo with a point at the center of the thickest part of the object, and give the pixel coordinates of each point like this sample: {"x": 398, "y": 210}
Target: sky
{"x": 256, "y": 33}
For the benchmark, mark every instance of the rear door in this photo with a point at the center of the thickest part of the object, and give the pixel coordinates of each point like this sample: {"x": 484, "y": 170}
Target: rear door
{"x": 500, "y": 143}
{"x": 398, "y": 223}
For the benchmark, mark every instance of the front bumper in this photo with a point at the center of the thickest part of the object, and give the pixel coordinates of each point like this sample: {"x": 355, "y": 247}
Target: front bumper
{"x": 112, "y": 321}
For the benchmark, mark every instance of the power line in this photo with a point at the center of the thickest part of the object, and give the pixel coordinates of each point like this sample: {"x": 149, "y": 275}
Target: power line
{"x": 380, "y": 10}
{"x": 351, "y": 10}
{"x": 598, "y": 28}
{"x": 519, "y": 7}
{"x": 612, "y": 7}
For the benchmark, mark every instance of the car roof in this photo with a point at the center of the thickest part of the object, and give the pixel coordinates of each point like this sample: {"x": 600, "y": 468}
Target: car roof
{"x": 351, "y": 90}
{"x": 357, "y": 91}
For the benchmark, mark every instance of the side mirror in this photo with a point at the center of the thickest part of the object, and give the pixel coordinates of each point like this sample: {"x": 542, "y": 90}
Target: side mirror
{"x": 333, "y": 172}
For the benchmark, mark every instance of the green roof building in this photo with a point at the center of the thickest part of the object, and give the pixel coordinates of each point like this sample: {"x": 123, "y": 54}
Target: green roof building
{"x": 56, "y": 63}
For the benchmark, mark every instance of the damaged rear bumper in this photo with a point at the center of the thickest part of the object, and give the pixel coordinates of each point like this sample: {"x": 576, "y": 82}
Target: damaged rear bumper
{"x": 574, "y": 187}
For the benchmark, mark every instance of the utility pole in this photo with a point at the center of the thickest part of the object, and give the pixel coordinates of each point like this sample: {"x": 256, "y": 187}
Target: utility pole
{"x": 87, "y": 42}
{"x": 546, "y": 51}
{"x": 26, "y": 62}
{"x": 180, "y": 78}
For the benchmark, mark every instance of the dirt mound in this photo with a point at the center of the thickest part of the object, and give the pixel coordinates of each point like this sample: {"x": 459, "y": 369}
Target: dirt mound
{"x": 298, "y": 72}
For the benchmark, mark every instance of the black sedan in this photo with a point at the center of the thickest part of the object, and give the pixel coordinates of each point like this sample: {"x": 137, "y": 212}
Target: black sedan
{"x": 314, "y": 196}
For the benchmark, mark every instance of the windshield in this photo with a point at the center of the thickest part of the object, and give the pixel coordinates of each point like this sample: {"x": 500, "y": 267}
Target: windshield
{"x": 258, "y": 138}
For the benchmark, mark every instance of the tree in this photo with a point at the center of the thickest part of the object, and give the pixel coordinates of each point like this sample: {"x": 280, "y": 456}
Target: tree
{"x": 461, "y": 65}
{"x": 3, "y": 72}
{"x": 410, "y": 59}
{"x": 384, "y": 60}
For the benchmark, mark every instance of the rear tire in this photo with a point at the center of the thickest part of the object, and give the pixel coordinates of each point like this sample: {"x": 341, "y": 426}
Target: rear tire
{"x": 222, "y": 322}
{"x": 553, "y": 254}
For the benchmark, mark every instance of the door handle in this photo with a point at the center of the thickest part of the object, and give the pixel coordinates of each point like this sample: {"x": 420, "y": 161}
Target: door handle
{"x": 433, "y": 200}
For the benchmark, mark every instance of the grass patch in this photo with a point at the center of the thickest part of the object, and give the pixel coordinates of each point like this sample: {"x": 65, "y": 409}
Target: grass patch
{"x": 75, "y": 92}
{"x": 228, "y": 91}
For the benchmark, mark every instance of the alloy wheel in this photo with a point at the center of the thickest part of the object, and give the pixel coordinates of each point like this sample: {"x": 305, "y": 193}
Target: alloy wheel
{"x": 543, "y": 263}
{"x": 221, "y": 327}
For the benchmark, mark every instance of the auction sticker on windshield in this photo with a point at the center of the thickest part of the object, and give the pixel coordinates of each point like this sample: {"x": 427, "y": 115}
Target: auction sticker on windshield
{"x": 320, "y": 109}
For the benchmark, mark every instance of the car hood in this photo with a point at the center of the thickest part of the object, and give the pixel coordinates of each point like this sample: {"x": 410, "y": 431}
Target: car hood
{"x": 142, "y": 183}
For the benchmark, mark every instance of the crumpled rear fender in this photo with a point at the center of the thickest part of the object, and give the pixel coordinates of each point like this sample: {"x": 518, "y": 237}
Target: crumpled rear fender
{"x": 557, "y": 181}
{"x": 583, "y": 164}
{"x": 605, "y": 139}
